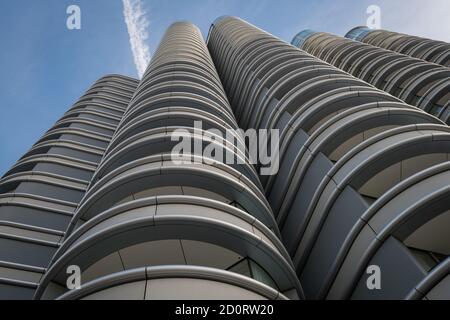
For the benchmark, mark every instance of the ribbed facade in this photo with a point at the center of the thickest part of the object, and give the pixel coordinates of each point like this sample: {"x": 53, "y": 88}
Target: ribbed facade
{"x": 417, "y": 47}
{"x": 360, "y": 171}
{"x": 40, "y": 193}
{"x": 363, "y": 179}
{"x": 149, "y": 228}
{"x": 417, "y": 82}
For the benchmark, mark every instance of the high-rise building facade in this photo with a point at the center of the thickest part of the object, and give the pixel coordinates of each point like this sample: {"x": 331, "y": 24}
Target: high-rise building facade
{"x": 363, "y": 183}
{"x": 421, "y": 48}
{"x": 363, "y": 178}
{"x": 40, "y": 193}
{"x": 151, "y": 228}
{"x": 418, "y": 82}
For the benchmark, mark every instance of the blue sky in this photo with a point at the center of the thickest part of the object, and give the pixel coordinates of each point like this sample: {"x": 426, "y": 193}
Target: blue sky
{"x": 46, "y": 67}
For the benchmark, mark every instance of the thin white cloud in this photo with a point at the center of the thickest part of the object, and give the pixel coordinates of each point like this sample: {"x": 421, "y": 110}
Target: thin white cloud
{"x": 137, "y": 24}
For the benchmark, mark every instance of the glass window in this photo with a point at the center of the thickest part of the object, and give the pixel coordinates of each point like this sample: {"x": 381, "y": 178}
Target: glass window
{"x": 84, "y": 140}
{"x": 64, "y": 171}
{"x": 34, "y": 217}
{"x": 251, "y": 269}
{"x": 50, "y": 191}
{"x": 75, "y": 154}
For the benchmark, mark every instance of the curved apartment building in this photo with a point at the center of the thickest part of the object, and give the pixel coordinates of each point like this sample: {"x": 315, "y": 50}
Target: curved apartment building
{"x": 151, "y": 228}
{"x": 40, "y": 193}
{"x": 364, "y": 177}
{"x": 128, "y": 188}
{"x": 417, "y": 82}
{"x": 422, "y": 48}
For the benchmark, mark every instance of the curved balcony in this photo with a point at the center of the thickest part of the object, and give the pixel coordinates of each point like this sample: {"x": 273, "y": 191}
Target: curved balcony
{"x": 414, "y": 81}
{"x": 426, "y": 49}
{"x": 151, "y": 216}
{"x": 39, "y": 194}
{"x": 346, "y": 148}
